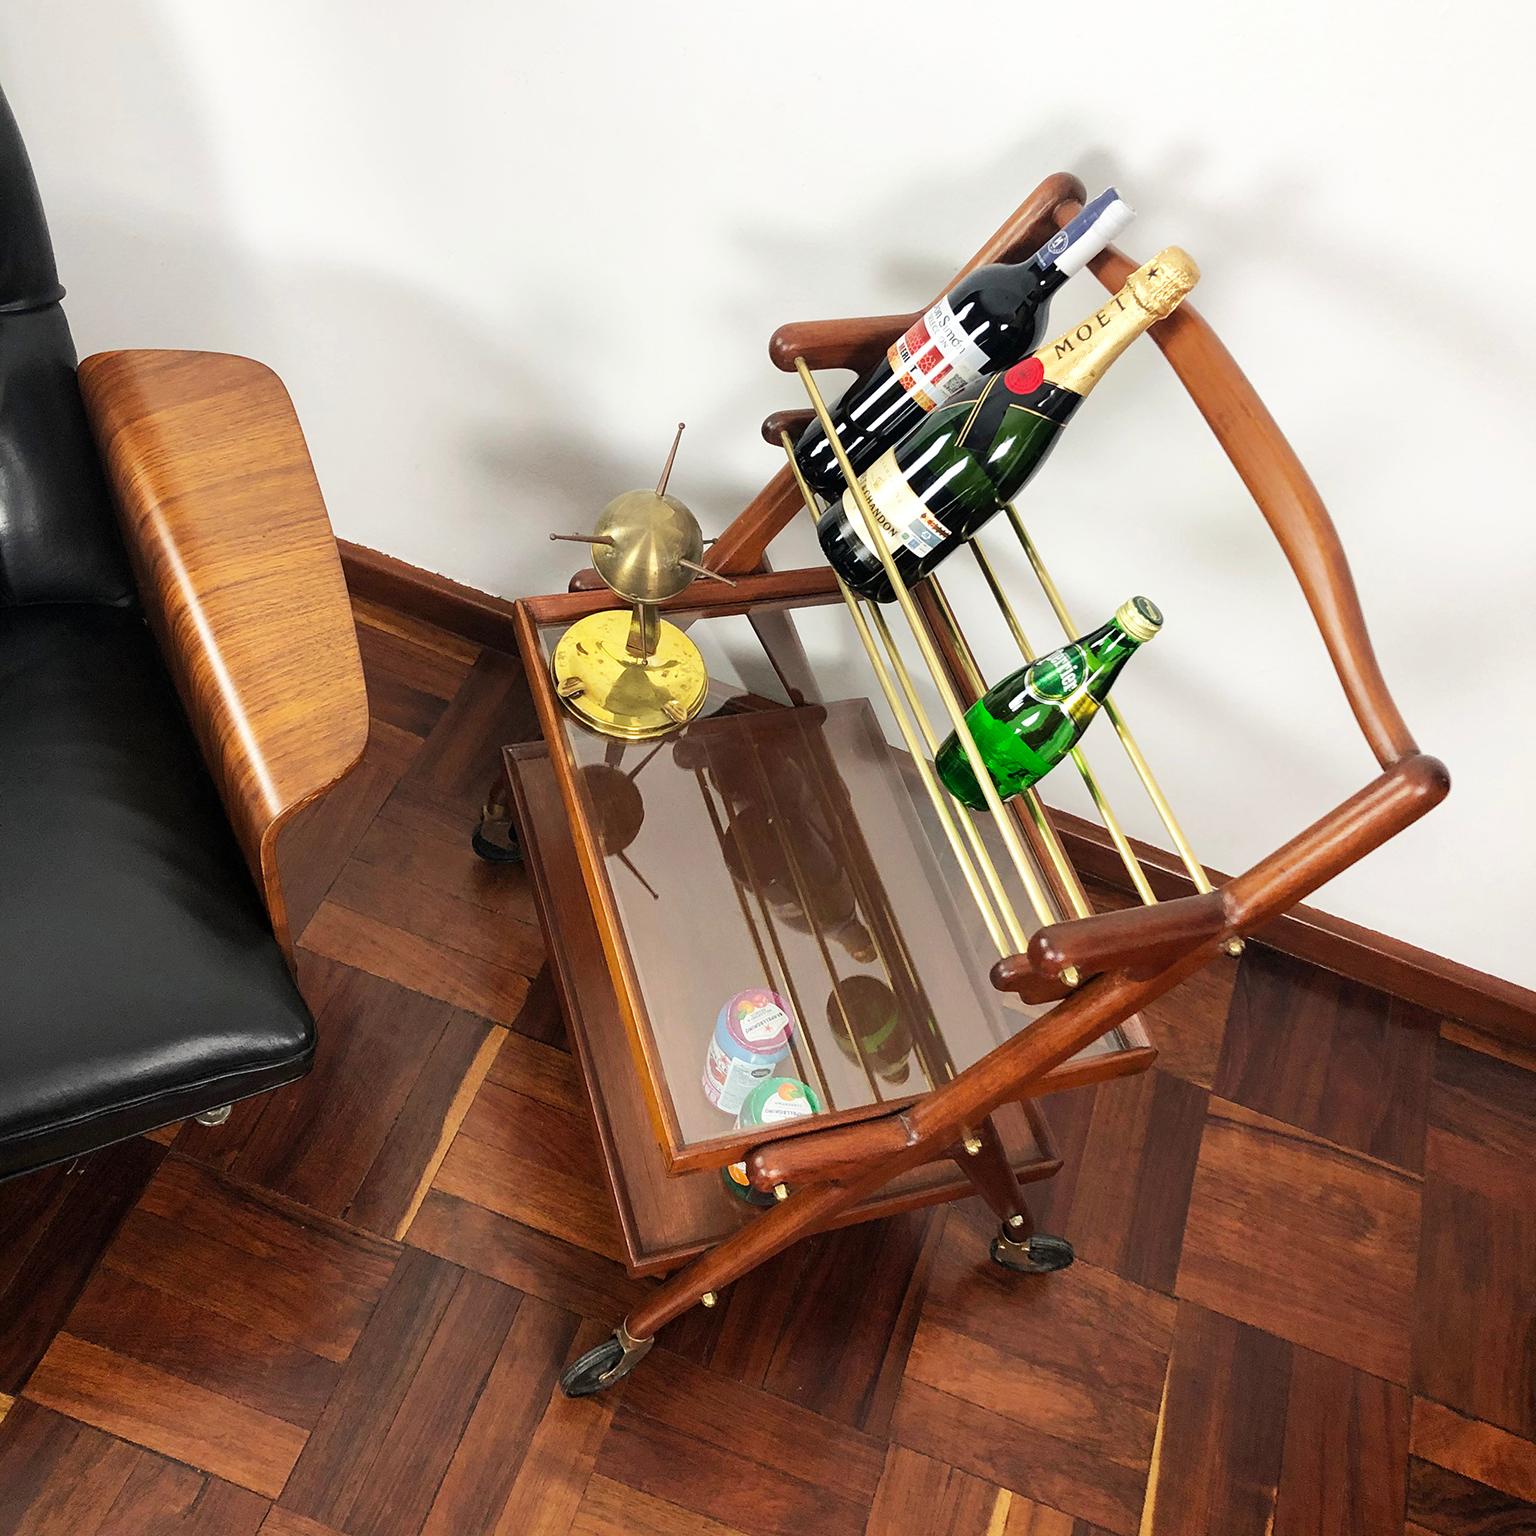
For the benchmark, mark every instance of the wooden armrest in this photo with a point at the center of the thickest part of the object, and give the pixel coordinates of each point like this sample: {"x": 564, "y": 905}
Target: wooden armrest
{"x": 239, "y": 577}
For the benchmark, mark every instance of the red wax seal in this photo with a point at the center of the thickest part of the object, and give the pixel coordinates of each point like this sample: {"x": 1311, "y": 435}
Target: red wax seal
{"x": 1026, "y": 377}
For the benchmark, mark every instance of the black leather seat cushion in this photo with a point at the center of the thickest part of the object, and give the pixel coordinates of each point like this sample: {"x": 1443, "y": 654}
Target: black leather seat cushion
{"x": 139, "y": 979}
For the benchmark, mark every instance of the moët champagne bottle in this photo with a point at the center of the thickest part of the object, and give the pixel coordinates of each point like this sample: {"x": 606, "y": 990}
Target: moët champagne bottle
{"x": 955, "y": 471}
{"x": 987, "y": 321}
{"x": 1024, "y": 725}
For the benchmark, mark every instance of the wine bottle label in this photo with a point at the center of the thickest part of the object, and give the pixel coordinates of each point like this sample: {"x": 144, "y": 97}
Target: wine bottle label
{"x": 936, "y": 360}
{"x": 903, "y": 519}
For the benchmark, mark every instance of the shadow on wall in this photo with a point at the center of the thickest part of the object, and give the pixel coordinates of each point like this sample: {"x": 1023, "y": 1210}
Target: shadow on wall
{"x": 463, "y": 440}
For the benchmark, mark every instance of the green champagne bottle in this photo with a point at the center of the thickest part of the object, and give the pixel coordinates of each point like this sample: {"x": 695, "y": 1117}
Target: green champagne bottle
{"x": 1024, "y": 725}
{"x": 955, "y": 470}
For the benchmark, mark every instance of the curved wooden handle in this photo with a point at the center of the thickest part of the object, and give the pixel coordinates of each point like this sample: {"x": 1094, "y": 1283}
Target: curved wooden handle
{"x": 1285, "y": 494}
{"x": 856, "y": 343}
{"x": 1144, "y": 938}
{"x": 793, "y": 422}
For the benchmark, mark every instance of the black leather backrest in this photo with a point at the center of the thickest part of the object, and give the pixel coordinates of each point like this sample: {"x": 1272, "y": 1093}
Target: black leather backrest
{"x": 58, "y": 537}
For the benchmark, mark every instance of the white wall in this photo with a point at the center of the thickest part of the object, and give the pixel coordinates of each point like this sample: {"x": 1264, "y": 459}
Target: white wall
{"x": 497, "y": 249}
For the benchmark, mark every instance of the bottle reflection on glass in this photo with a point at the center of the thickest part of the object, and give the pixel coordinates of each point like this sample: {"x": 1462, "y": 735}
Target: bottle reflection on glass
{"x": 810, "y": 891}
{"x": 881, "y": 1036}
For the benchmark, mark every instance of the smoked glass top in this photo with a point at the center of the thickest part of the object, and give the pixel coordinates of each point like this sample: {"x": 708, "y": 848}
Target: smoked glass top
{"x": 787, "y": 899}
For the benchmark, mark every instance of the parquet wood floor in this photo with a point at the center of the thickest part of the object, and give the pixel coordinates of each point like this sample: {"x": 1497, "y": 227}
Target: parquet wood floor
{"x": 1305, "y": 1303}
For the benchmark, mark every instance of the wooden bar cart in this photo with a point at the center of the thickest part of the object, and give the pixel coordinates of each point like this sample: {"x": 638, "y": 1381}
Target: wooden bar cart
{"x": 943, "y": 970}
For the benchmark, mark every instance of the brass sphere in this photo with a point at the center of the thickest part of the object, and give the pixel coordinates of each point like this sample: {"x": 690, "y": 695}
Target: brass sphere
{"x": 651, "y": 536}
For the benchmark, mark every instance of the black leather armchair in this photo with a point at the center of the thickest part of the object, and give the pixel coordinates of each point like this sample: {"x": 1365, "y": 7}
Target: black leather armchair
{"x": 178, "y": 673}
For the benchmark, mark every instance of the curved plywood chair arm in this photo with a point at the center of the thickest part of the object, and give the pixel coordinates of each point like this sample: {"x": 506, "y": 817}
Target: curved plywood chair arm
{"x": 856, "y": 343}
{"x": 239, "y": 577}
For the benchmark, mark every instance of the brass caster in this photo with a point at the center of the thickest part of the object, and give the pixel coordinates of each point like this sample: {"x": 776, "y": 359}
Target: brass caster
{"x": 214, "y": 1116}
{"x": 1234, "y": 947}
{"x": 708, "y": 1299}
{"x": 972, "y": 1145}
{"x": 611, "y": 1361}
{"x": 781, "y": 1191}
{"x": 1037, "y": 1255}
{"x": 495, "y": 837}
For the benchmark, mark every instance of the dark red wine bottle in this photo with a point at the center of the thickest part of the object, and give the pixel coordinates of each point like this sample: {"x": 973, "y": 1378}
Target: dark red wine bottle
{"x": 986, "y": 322}
{"x": 943, "y": 482}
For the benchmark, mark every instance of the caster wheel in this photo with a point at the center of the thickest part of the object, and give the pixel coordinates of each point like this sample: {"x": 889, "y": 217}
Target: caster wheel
{"x": 1040, "y": 1255}
{"x": 611, "y": 1361}
{"x": 495, "y": 841}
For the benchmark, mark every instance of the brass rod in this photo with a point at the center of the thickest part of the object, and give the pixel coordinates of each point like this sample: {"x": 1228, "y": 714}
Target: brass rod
{"x": 1005, "y": 827}
{"x": 666, "y": 469}
{"x": 797, "y": 876}
{"x": 869, "y": 896}
{"x": 1077, "y": 897}
{"x": 880, "y": 912}
{"x": 1013, "y": 940}
{"x": 704, "y": 570}
{"x": 1079, "y": 760}
{"x": 787, "y": 980}
{"x": 581, "y": 538}
{"x": 1197, "y": 874}
{"x": 931, "y": 741}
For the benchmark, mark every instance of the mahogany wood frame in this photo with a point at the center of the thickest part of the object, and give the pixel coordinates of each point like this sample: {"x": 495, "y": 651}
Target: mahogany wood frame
{"x": 1132, "y": 956}
{"x": 240, "y": 580}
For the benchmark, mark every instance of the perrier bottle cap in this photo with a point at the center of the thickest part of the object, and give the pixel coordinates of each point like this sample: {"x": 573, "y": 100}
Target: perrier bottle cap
{"x": 1139, "y": 617}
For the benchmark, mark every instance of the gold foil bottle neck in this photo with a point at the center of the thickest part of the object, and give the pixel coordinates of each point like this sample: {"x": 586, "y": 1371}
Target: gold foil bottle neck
{"x": 1159, "y": 286}
{"x": 1077, "y": 359}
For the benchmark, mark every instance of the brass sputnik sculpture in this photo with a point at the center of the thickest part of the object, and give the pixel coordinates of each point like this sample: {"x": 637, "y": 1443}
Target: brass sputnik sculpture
{"x": 635, "y": 675}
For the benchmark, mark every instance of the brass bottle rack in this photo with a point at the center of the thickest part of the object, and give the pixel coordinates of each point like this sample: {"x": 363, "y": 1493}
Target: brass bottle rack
{"x": 978, "y": 869}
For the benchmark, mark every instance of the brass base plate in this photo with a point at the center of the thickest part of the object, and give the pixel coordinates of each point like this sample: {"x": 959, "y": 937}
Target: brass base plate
{"x": 620, "y": 695}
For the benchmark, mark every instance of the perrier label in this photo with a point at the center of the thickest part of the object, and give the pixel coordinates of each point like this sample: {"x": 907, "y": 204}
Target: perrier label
{"x": 1024, "y": 725}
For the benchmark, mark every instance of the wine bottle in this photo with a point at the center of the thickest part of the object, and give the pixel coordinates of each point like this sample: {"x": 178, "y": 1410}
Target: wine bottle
{"x": 985, "y": 322}
{"x": 954, "y": 471}
{"x": 1024, "y": 725}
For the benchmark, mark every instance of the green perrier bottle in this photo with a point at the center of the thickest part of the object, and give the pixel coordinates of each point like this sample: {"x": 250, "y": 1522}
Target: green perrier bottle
{"x": 1026, "y": 724}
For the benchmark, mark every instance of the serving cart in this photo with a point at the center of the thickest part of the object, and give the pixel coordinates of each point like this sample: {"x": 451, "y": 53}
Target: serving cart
{"x": 943, "y": 970}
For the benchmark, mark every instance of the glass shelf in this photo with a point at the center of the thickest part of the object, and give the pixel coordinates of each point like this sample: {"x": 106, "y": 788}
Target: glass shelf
{"x": 784, "y": 843}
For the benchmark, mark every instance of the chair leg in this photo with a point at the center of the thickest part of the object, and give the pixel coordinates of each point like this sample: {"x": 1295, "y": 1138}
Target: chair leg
{"x": 1017, "y": 1245}
{"x": 214, "y": 1116}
